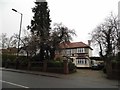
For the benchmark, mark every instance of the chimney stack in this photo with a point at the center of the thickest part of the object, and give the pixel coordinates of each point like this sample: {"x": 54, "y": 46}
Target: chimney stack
{"x": 40, "y": 0}
{"x": 89, "y": 42}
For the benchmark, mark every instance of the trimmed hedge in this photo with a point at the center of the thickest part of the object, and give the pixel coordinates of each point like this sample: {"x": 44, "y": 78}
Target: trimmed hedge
{"x": 59, "y": 64}
{"x": 11, "y": 60}
{"x": 52, "y": 65}
{"x": 8, "y": 59}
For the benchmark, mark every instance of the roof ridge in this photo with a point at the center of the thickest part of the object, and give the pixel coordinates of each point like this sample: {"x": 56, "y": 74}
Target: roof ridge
{"x": 81, "y": 42}
{"x": 76, "y": 44}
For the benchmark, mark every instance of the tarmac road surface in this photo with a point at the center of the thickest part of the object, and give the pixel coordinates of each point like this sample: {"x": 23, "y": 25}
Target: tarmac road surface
{"x": 23, "y": 80}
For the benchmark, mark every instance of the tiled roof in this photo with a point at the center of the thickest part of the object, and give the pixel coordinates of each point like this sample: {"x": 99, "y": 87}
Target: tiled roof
{"x": 13, "y": 50}
{"x": 74, "y": 45}
{"x": 9, "y": 50}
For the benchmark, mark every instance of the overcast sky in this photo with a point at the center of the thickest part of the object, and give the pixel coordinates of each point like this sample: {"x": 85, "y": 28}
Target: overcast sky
{"x": 81, "y": 15}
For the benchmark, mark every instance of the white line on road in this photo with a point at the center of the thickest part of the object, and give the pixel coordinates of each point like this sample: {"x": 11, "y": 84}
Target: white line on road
{"x": 14, "y": 84}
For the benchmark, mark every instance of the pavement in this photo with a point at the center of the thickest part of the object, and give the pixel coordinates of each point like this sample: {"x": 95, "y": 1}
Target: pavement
{"x": 48, "y": 74}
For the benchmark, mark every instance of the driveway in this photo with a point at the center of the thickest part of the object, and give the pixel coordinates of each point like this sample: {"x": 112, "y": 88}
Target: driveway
{"x": 93, "y": 76}
{"x": 89, "y": 73}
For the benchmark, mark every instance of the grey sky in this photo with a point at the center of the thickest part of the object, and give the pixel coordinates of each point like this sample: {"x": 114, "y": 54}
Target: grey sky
{"x": 81, "y": 15}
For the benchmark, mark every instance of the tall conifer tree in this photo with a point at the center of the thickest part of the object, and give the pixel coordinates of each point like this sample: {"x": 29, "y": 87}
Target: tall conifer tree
{"x": 40, "y": 25}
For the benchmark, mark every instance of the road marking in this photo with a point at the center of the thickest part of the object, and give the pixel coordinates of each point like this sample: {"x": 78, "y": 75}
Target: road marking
{"x": 13, "y": 84}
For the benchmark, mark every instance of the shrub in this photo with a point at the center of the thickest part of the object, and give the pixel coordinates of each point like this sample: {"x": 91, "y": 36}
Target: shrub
{"x": 58, "y": 66}
{"x": 104, "y": 70}
{"x": 23, "y": 60}
{"x": 118, "y": 57}
{"x": 8, "y": 59}
{"x": 54, "y": 63}
{"x": 59, "y": 59}
{"x": 115, "y": 64}
{"x": 36, "y": 57}
{"x": 11, "y": 60}
{"x": 71, "y": 66}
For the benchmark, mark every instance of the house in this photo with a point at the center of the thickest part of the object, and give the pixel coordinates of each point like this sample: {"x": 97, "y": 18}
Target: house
{"x": 78, "y": 51}
{"x": 12, "y": 51}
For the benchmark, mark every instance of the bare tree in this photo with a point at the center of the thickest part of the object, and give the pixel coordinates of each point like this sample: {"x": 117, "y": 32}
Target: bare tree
{"x": 60, "y": 34}
{"x": 106, "y": 36}
{"x": 7, "y": 42}
{"x": 4, "y": 40}
{"x": 27, "y": 43}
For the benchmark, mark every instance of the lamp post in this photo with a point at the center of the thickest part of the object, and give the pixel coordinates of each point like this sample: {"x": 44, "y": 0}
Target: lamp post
{"x": 19, "y": 30}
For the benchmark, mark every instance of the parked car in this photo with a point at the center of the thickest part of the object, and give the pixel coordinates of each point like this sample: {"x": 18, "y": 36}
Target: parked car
{"x": 98, "y": 66}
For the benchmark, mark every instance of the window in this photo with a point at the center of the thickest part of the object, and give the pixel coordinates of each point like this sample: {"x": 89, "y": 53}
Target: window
{"x": 85, "y": 61}
{"x": 83, "y": 50}
{"x": 81, "y": 61}
{"x": 80, "y": 50}
{"x": 67, "y": 52}
{"x": 72, "y": 51}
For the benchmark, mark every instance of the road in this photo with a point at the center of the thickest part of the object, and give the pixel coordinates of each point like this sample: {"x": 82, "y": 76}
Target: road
{"x": 22, "y": 80}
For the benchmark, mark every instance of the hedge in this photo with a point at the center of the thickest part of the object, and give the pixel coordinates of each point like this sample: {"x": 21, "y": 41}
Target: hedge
{"x": 53, "y": 65}
{"x": 11, "y": 59}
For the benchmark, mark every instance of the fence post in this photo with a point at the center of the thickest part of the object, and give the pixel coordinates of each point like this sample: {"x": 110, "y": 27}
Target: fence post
{"x": 29, "y": 65}
{"x": 66, "y": 69}
{"x": 17, "y": 63}
{"x": 45, "y": 65}
{"x": 7, "y": 63}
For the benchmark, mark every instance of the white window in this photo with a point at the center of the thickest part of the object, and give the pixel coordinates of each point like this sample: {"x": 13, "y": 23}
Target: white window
{"x": 85, "y": 61}
{"x": 67, "y": 52}
{"x": 75, "y": 50}
{"x": 83, "y": 50}
{"x": 81, "y": 61}
{"x": 80, "y": 50}
{"x": 72, "y": 51}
